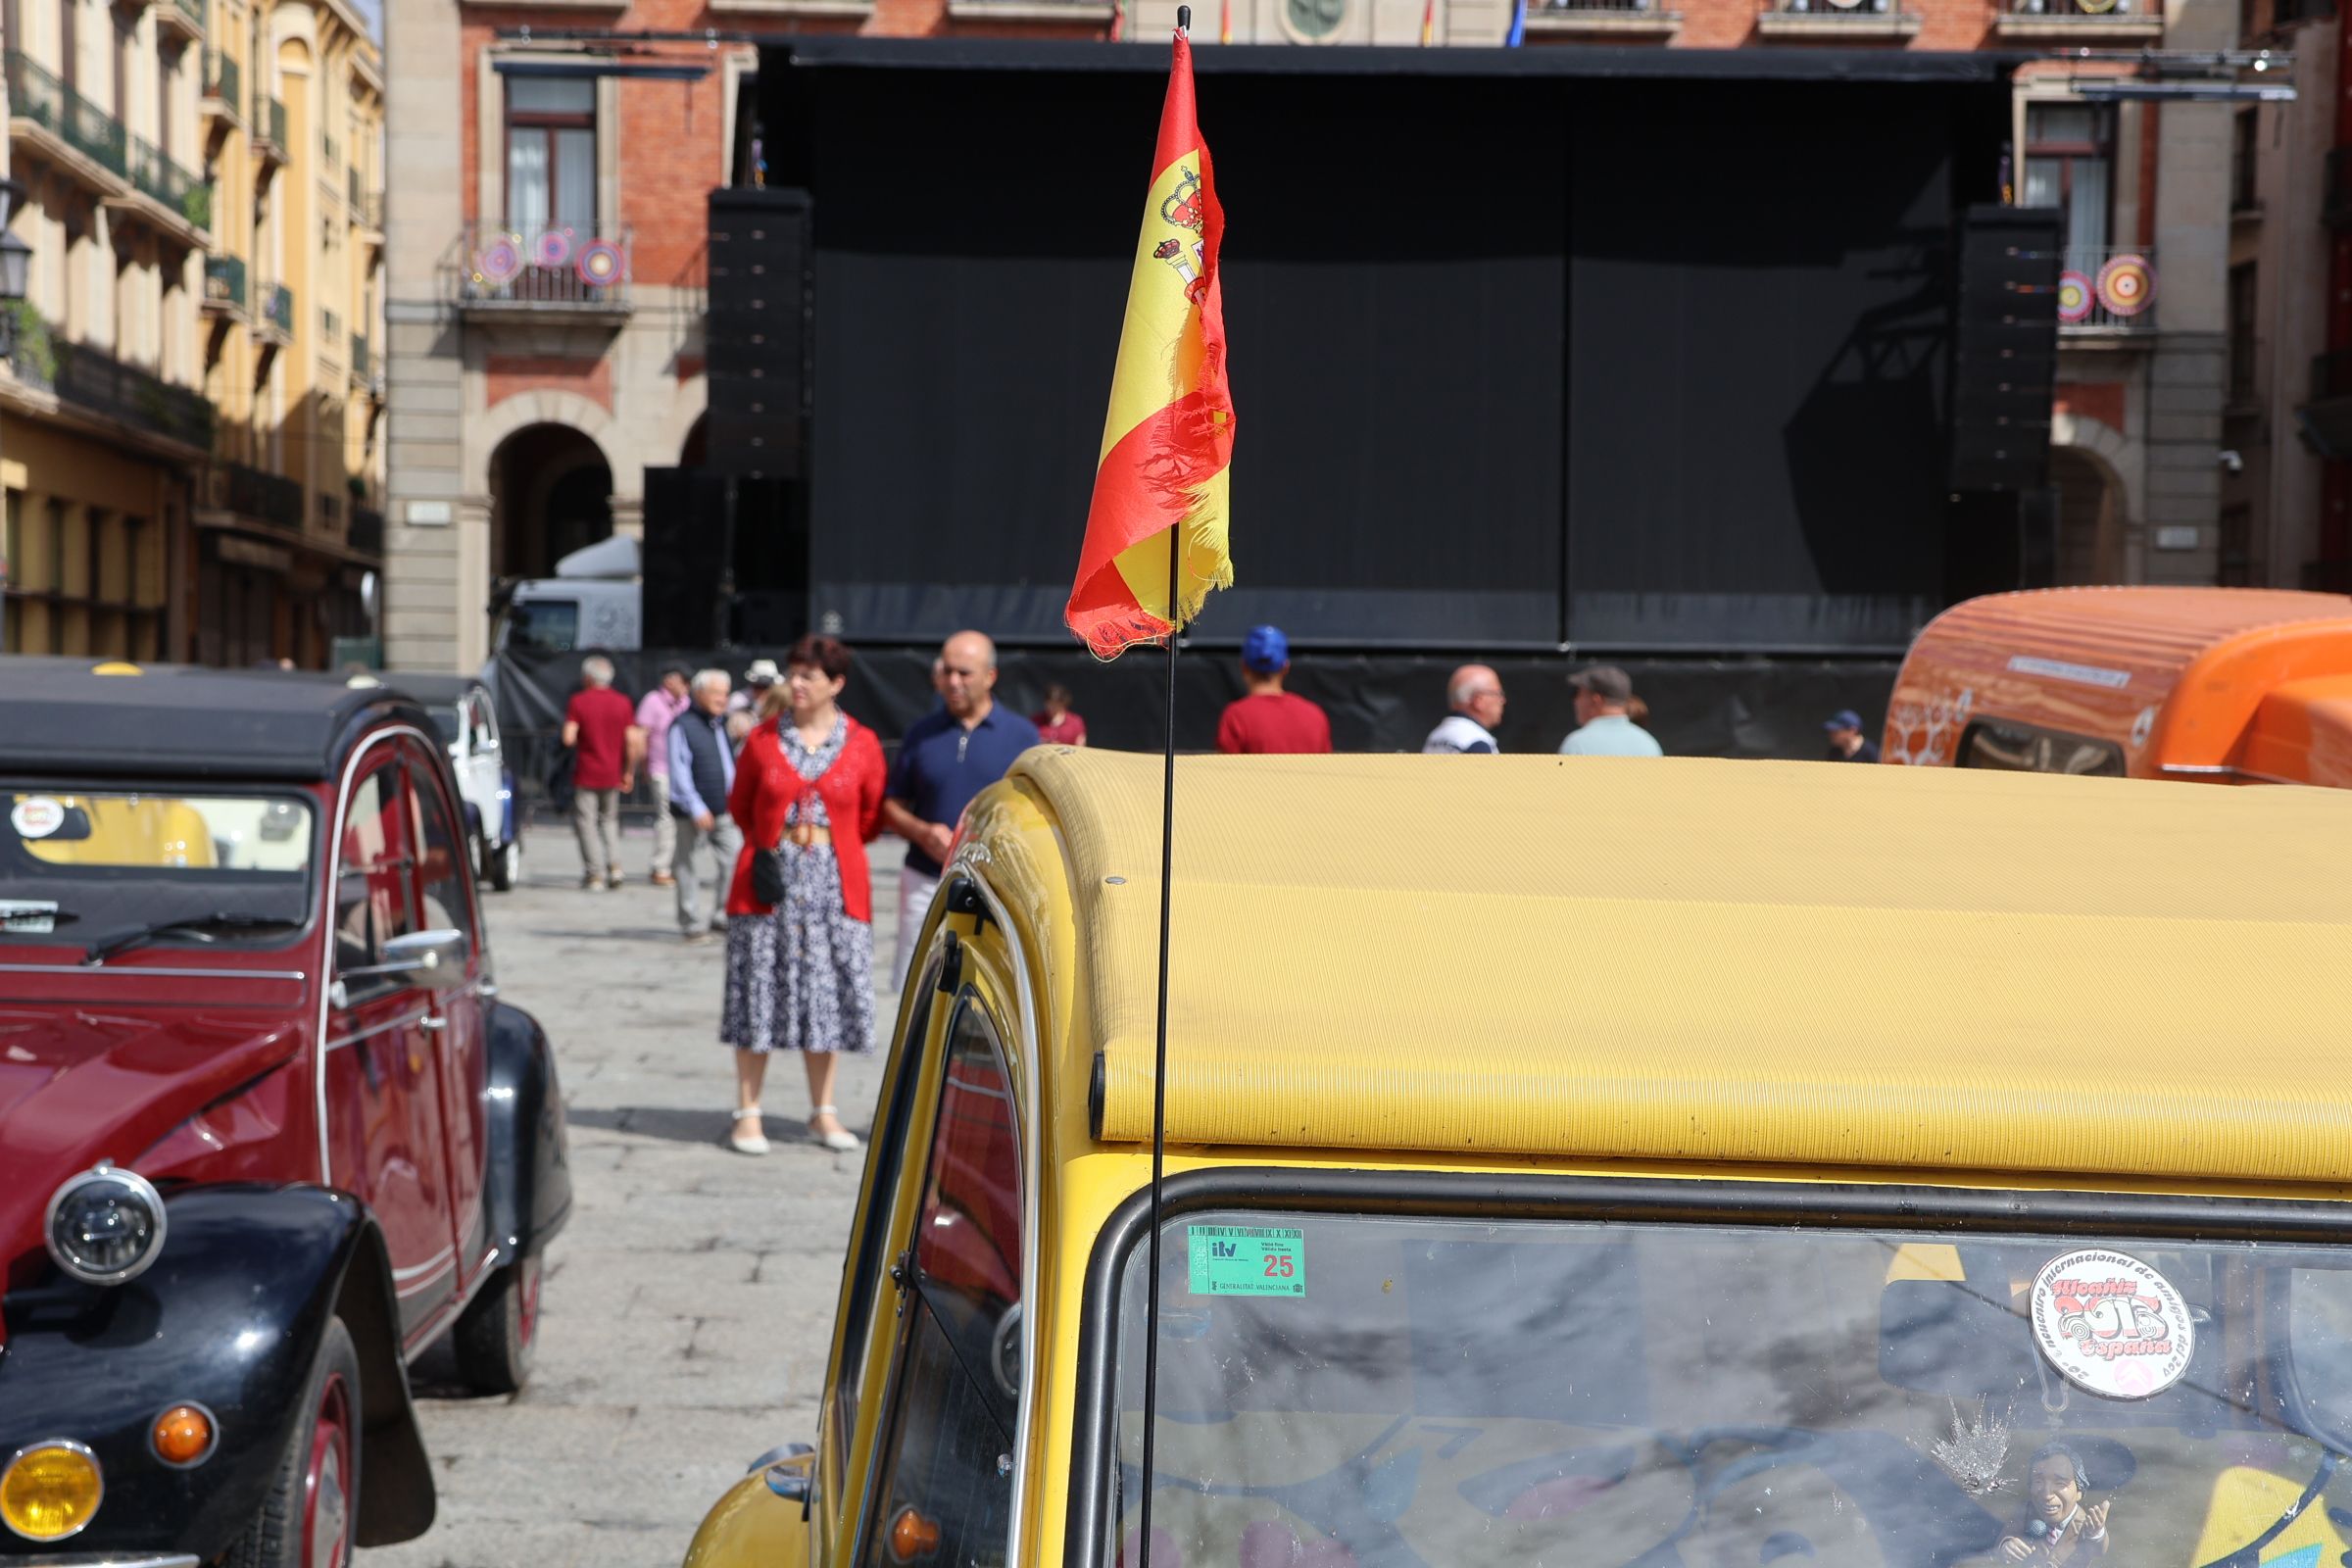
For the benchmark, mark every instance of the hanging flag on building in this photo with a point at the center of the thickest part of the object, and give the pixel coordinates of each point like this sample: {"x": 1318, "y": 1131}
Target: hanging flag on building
{"x": 1518, "y": 33}
{"x": 1167, "y": 440}
{"x": 1225, "y": 21}
{"x": 1429, "y": 22}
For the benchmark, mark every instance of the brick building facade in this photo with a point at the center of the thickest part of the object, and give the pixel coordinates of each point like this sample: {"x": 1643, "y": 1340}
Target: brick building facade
{"x": 529, "y": 396}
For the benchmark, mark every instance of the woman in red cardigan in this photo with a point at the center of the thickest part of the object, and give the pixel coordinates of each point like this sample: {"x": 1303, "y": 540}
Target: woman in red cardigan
{"x": 800, "y": 973}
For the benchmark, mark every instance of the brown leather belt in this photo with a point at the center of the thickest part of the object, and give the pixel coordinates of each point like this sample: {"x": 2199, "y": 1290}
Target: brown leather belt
{"x": 808, "y": 835}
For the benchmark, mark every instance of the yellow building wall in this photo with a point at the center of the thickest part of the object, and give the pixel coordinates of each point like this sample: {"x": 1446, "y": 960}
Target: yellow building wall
{"x": 84, "y": 539}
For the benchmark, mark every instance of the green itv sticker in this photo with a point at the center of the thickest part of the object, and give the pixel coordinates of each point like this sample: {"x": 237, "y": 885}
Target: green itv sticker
{"x": 1245, "y": 1261}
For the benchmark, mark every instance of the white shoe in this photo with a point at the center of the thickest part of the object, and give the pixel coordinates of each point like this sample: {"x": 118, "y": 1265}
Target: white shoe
{"x": 753, "y": 1141}
{"x": 840, "y": 1141}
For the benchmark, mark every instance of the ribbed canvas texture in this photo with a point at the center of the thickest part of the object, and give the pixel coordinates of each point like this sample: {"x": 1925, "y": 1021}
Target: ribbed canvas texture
{"x": 1722, "y": 961}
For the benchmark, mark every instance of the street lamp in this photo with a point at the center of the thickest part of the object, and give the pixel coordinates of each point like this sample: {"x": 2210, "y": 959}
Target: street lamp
{"x": 16, "y": 264}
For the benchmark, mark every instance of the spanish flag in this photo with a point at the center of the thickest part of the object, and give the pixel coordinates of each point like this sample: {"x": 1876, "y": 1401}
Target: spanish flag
{"x": 1168, "y": 438}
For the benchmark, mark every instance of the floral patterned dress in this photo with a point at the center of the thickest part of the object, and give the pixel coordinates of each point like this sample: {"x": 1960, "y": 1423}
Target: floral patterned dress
{"x": 802, "y": 977}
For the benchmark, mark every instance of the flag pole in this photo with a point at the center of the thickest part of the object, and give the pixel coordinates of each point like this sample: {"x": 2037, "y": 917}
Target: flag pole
{"x": 1159, "y": 1040}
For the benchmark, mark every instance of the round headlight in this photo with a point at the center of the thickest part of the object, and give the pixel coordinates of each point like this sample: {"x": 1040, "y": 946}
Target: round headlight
{"x": 105, "y": 1225}
{"x": 50, "y": 1489}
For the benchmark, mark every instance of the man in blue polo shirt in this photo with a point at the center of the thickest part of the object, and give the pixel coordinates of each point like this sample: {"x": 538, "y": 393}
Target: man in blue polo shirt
{"x": 949, "y": 755}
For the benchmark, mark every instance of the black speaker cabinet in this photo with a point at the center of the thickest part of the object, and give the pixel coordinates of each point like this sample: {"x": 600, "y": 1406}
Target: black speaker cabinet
{"x": 756, "y": 333}
{"x": 2005, "y": 360}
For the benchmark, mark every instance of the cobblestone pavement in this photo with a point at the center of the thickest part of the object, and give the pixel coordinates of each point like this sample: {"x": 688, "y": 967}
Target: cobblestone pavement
{"x": 688, "y": 1306}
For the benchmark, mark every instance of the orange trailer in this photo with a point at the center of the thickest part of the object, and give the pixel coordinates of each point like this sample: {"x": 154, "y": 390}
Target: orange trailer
{"x": 2242, "y": 684}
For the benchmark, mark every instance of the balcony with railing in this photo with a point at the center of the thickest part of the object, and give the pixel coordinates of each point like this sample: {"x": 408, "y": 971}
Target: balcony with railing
{"x": 77, "y": 134}
{"x": 223, "y": 94}
{"x": 1620, "y": 19}
{"x": 2107, "y": 293}
{"x": 366, "y": 536}
{"x": 95, "y": 382}
{"x": 273, "y": 320}
{"x": 1837, "y": 19}
{"x": 174, "y": 197}
{"x": 367, "y": 205}
{"x": 269, "y": 129}
{"x": 496, "y": 271}
{"x": 224, "y": 286}
{"x": 2081, "y": 21}
{"x": 272, "y": 501}
{"x": 184, "y": 17}
{"x": 332, "y": 342}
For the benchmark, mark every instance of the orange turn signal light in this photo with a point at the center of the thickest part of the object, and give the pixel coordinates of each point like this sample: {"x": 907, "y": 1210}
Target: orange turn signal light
{"x": 912, "y": 1536}
{"x": 184, "y": 1435}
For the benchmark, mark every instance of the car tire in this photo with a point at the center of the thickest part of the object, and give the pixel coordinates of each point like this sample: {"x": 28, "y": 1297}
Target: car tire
{"x": 506, "y": 866}
{"x": 309, "y": 1518}
{"x": 477, "y": 854}
{"x": 494, "y": 1338}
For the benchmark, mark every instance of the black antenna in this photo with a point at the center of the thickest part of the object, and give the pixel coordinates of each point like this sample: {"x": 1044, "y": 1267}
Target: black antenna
{"x": 1160, "y": 1042}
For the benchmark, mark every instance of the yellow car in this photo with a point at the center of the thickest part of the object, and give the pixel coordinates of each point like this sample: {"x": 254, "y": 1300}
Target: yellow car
{"x": 1594, "y": 1161}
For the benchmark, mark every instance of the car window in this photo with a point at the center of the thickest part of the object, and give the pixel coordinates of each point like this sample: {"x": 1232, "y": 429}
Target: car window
{"x": 486, "y": 724}
{"x": 869, "y": 1262}
{"x": 947, "y": 1467}
{"x": 2025, "y": 749}
{"x": 549, "y": 625}
{"x": 371, "y": 882}
{"x": 443, "y": 865}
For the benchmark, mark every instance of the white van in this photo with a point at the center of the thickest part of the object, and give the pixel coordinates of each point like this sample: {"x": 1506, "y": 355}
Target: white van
{"x": 593, "y": 601}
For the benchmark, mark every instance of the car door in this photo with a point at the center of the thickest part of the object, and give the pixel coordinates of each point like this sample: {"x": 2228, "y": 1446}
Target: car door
{"x": 485, "y": 767}
{"x": 941, "y": 1472}
{"x": 456, "y": 1027}
{"x": 383, "y": 1097}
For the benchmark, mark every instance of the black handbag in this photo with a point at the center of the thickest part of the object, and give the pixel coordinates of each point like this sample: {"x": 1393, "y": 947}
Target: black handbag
{"x": 767, "y": 874}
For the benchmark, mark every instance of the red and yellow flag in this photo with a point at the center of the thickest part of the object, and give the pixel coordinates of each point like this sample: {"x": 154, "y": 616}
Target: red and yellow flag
{"x": 1168, "y": 439}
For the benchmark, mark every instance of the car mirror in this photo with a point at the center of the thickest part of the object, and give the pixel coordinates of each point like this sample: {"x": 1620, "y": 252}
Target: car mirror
{"x": 425, "y": 950}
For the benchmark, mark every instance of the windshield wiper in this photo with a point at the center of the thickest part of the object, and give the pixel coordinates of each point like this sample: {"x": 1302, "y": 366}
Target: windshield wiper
{"x": 193, "y": 924}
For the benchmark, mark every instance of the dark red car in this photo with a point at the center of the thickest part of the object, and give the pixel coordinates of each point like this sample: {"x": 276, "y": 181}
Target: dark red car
{"x": 267, "y": 1132}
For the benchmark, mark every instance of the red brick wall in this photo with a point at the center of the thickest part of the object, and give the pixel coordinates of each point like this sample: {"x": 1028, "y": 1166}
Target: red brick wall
{"x": 2102, "y": 401}
{"x": 509, "y": 374}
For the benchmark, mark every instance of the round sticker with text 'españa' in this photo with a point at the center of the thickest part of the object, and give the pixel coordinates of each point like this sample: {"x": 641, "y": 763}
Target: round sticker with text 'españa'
{"x": 37, "y": 816}
{"x": 2111, "y": 1324}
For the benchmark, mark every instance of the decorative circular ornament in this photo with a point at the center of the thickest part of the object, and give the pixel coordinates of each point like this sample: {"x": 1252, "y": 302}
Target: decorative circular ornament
{"x": 2111, "y": 1325}
{"x": 1313, "y": 21}
{"x": 2074, "y": 296}
{"x": 2127, "y": 285}
{"x": 601, "y": 263}
{"x": 2095, "y": 8}
{"x": 499, "y": 260}
{"x": 553, "y": 248}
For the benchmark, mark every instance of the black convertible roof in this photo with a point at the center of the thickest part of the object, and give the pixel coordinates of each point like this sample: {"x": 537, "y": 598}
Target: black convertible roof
{"x": 184, "y": 721}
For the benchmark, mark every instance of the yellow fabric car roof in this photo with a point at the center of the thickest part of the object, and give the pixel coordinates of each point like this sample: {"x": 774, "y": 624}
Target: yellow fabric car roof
{"x": 1722, "y": 961}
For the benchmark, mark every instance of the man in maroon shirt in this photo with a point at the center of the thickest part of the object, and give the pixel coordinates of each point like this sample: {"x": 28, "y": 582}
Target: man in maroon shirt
{"x": 1270, "y": 719}
{"x": 599, "y": 729}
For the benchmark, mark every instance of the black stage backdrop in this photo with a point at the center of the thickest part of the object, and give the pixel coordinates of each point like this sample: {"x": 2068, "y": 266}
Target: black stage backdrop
{"x": 1378, "y": 702}
{"x": 1526, "y": 353}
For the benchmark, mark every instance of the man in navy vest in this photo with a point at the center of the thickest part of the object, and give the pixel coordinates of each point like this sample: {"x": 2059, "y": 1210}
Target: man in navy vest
{"x": 701, "y": 771}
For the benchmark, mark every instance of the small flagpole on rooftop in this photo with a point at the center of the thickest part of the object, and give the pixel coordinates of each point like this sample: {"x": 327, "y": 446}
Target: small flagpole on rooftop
{"x": 1159, "y": 1039}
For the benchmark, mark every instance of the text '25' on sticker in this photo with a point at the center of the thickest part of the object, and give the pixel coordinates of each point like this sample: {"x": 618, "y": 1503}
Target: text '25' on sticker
{"x": 1244, "y": 1260}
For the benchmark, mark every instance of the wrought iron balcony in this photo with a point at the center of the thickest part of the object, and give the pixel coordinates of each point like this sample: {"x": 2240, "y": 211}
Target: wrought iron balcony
{"x": 2080, "y": 19}
{"x": 366, "y": 534}
{"x": 224, "y": 84}
{"x": 36, "y": 94}
{"x": 96, "y": 382}
{"x": 274, "y": 321}
{"x": 224, "y": 283}
{"x": 163, "y": 181}
{"x": 270, "y": 128}
{"x": 264, "y": 497}
{"x": 498, "y": 268}
{"x": 187, "y": 16}
{"x": 1641, "y": 17}
{"x": 2107, "y": 292}
{"x": 1837, "y": 19}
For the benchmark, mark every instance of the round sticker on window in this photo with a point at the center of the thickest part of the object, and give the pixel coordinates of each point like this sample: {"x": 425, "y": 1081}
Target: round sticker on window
{"x": 2111, "y": 1324}
{"x": 37, "y": 816}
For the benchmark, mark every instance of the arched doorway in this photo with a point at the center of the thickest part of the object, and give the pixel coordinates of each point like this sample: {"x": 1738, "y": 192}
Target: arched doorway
{"x": 551, "y": 493}
{"x": 697, "y": 450}
{"x": 2090, "y": 518}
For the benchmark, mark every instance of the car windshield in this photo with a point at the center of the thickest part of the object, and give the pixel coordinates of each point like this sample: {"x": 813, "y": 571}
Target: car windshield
{"x": 550, "y": 625}
{"x": 1346, "y": 1392}
{"x": 88, "y": 864}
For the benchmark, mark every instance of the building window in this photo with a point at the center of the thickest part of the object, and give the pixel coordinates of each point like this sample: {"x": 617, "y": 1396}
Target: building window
{"x": 2070, "y": 164}
{"x": 2243, "y": 297}
{"x": 2245, "y": 137}
{"x": 2237, "y": 547}
{"x": 551, "y": 154}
